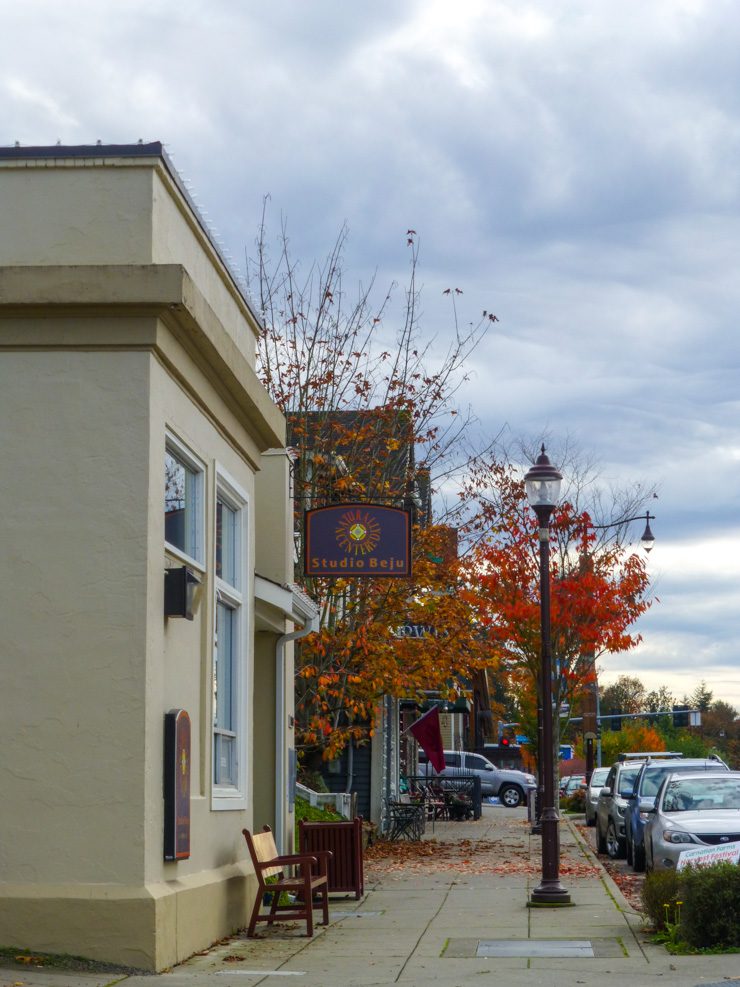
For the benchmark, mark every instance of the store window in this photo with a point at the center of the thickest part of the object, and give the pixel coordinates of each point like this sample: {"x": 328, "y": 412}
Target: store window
{"x": 183, "y": 500}
{"x": 230, "y": 652}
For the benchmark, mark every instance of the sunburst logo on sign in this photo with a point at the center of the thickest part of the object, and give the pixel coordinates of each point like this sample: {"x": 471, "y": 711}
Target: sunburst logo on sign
{"x": 358, "y": 533}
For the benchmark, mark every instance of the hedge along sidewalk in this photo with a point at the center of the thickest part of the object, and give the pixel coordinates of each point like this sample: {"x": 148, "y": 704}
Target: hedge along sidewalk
{"x": 696, "y": 907}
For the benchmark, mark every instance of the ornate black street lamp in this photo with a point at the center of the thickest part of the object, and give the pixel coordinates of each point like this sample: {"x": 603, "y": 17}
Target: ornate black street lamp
{"x": 542, "y": 484}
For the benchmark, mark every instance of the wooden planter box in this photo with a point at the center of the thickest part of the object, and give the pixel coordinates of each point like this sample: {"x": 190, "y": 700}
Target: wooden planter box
{"x": 344, "y": 839}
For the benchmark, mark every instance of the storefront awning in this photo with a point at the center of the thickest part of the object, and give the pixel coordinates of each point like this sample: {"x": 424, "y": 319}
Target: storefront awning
{"x": 276, "y": 603}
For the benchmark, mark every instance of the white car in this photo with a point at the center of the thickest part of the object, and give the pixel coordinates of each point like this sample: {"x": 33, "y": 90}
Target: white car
{"x": 692, "y": 810}
{"x": 597, "y": 782}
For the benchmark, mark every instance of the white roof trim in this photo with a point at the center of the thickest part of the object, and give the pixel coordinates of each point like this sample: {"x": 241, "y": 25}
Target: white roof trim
{"x": 292, "y": 602}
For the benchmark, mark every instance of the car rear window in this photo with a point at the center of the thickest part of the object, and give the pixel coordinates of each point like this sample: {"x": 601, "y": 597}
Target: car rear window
{"x": 627, "y": 779}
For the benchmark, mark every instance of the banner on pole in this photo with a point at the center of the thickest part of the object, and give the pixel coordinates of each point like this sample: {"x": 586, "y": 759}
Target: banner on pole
{"x": 428, "y": 734}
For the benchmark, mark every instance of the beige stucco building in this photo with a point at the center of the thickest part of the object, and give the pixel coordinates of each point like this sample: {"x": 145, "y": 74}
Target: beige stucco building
{"x": 136, "y": 438}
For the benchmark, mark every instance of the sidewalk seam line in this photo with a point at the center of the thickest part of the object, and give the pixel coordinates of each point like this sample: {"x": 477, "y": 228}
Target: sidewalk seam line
{"x": 424, "y": 931}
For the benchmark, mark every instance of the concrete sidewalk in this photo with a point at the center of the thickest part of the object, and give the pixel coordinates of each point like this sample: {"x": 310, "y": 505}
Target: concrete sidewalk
{"x": 448, "y": 928}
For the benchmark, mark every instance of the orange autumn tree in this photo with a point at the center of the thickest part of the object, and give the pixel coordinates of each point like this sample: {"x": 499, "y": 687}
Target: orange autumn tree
{"x": 358, "y": 655}
{"x": 635, "y": 735}
{"x": 371, "y": 418}
{"x": 598, "y": 591}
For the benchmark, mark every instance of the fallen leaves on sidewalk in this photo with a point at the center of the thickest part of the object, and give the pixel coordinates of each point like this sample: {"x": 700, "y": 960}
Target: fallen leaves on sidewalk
{"x": 462, "y": 857}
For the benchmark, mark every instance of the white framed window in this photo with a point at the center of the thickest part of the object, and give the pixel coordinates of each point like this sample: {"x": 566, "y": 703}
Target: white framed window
{"x": 184, "y": 501}
{"x": 230, "y": 647}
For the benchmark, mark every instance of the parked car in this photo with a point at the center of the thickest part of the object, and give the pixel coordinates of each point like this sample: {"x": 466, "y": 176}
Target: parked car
{"x": 511, "y": 787}
{"x": 571, "y": 784}
{"x": 647, "y": 783}
{"x": 598, "y": 778}
{"x": 611, "y": 807}
{"x": 646, "y": 755}
{"x": 690, "y": 811}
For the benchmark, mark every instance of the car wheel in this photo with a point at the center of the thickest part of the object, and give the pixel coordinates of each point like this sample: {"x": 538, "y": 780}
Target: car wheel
{"x": 613, "y": 844}
{"x": 638, "y": 859}
{"x": 510, "y": 796}
{"x": 600, "y": 840}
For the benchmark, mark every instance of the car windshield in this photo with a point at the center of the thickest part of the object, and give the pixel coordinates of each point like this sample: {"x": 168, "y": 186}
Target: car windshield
{"x": 699, "y": 794}
{"x": 657, "y": 772}
{"x": 599, "y": 777}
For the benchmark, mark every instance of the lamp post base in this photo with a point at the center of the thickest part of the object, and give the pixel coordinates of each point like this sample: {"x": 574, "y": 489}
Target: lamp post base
{"x": 549, "y": 894}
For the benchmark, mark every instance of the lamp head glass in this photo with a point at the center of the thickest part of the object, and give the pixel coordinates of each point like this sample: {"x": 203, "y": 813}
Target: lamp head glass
{"x": 542, "y": 483}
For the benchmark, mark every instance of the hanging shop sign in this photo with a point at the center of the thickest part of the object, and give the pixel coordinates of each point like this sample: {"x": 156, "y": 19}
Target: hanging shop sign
{"x": 357, "y": 540}
{"x": 176, "y": 785}
{"x": 415, "y": 631}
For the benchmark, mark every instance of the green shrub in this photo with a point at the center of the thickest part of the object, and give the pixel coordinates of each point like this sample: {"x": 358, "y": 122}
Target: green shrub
{"x": 314, "y": 813}
{"x": 575, "y": 802}
{"x": 697, "y": 906}
{"x": 660, "y": 892}
{"x": 710, "y": 915}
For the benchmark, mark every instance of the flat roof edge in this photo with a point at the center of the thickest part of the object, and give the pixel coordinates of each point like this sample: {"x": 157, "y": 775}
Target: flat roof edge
{"x": 151, "y": 149}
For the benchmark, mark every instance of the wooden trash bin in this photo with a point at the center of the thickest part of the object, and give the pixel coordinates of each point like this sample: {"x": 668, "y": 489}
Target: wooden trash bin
{"x": 344, "y": 839}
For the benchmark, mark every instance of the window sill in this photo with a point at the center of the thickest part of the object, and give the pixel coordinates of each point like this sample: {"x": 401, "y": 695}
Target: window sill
{"x": 228, "y": 800}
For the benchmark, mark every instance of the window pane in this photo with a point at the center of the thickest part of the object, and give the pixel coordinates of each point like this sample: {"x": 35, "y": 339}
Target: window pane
{"x": 225, "y": 756}
{"x": 180, "y": 506}
{"x": 226, "y": 543}
{"x": 223, "y": 672}
{"x": 224, "y": 698}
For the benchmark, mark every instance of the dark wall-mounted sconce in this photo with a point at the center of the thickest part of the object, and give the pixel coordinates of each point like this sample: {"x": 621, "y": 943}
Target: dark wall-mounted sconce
{"x": 182, "y": 592}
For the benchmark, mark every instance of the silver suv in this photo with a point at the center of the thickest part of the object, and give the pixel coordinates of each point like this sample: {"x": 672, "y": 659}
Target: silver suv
{"x": 611, "y": 807}
{"x": 612, "y": 803}
{"x": 512, "y": 787}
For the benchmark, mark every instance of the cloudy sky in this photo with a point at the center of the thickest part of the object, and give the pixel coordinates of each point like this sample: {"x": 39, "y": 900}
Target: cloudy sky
{"x": 572, "y": 165}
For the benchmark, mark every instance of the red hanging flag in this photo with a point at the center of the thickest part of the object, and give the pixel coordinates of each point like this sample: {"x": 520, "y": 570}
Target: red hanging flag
{"x": 428, "y": 735}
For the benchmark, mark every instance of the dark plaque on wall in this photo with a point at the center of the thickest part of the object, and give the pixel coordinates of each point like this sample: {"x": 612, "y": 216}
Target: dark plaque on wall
{"x": 176, "y": 785}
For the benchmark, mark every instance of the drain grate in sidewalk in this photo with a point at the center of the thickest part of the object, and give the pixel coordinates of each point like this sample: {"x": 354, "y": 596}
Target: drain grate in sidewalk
{"x": 534, "y": 948}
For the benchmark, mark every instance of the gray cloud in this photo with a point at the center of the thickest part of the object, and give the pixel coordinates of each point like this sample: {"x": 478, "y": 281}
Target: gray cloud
{"x": 571, "y": 166}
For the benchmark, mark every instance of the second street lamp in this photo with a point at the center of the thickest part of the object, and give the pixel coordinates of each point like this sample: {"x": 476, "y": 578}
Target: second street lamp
{"x": 591, "y": 721}
{"x": 542, "y": 484}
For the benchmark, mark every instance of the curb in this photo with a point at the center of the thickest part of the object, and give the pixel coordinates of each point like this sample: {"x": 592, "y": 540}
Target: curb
{"x": 612, "y": 886}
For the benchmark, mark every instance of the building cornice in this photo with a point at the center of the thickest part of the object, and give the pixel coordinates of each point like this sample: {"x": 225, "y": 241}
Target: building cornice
{"x": 165, "y": 291}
